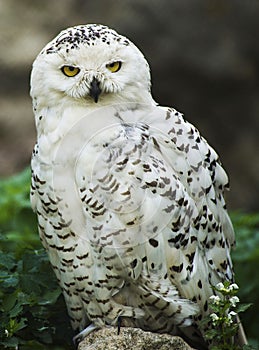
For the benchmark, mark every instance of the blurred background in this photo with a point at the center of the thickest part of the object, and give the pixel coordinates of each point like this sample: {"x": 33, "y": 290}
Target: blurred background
{"x": 204, "y": 58}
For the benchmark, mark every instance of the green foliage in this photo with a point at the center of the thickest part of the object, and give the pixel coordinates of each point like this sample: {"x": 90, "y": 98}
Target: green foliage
{"x": 246, "y": 262}
{"x": 17, "y": 221}
{"x": 32, "y": 309}
{"x": 222, "y": 322}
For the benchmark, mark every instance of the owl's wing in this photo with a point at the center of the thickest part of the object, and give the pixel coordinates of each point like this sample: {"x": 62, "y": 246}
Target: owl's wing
{"x": 152, "y": 196}
{"x": 205, "y": 243}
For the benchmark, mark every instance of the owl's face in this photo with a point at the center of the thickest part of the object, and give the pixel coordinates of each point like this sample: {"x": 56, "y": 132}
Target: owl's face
{"x": 90, "y": 64}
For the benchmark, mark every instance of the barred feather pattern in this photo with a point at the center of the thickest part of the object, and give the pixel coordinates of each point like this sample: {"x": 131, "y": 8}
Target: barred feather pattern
{"x": 156, "y": 234}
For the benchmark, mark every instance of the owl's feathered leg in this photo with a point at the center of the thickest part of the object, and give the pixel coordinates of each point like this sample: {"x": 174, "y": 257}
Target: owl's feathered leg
{"x": 81, "y": 335}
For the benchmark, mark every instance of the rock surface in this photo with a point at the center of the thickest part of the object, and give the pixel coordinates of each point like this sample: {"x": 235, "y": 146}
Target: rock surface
{"x": 131, "y": 338}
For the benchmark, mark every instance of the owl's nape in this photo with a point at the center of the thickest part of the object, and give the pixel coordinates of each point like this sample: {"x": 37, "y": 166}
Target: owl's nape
{"x": 129, "y": 196}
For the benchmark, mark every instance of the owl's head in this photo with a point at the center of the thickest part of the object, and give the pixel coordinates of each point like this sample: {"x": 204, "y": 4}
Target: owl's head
{"x": 90, "y": 64}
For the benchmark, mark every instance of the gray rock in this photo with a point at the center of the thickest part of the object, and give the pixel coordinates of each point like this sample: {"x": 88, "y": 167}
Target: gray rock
{"x": 131, "y": 338}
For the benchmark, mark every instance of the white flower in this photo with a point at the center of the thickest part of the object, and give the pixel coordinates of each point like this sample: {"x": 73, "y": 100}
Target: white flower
{"x": 220, "y": 286}
{"x": 214, "y": 319}
{"x": 215, "y": 299}
{"x": 232, "y": 313}
{"x": 233, "y": 301}
{"x": 233, "y": 286}
{"x": 229, "y": 319}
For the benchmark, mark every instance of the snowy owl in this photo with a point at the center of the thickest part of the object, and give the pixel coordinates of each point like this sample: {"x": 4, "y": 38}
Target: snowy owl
{"x": 129, "y": 196}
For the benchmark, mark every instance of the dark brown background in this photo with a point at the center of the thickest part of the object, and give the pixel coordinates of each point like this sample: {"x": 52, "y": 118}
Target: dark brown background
{"x": 204, "y": 56}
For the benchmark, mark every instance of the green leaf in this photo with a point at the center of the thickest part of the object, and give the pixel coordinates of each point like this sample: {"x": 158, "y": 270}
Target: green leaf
{"x": 11, "y": 281}
{"x": 7, "y": 261}
{"x": 50, "y": 297}
{"x": 16, "y": 310}
{"x": 243, "y": 307}
{"x": 212, "y": 334}
{"x": 10, "y": 342}
{"x": 33, "y": 344}
{"x": 215, "y": 307}
{"x": 21, "y": 324}
{"x": 9, "y": 301}
{"x": 249, "y": 347}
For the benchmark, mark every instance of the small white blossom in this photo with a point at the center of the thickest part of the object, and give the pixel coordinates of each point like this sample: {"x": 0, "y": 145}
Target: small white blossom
{"x": 229, "y": 319}
{"x": 215, "y": 299}
{"x": 233, "y": 301}
{"x": 6, "y": 332}
{"x": 214, "y": 319}
{"x": 233, "y": 286}
{"x": 220, "y": 286}
{"x": 232, "y": 313}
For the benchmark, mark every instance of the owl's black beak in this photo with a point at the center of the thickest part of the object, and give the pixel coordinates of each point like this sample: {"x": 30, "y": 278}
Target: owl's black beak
{"x": 95, "y": 90}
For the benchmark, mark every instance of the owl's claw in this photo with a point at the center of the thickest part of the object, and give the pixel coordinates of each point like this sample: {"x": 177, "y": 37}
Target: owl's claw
{"x": 81, "y": 335}
{"x": 119, "y": 324}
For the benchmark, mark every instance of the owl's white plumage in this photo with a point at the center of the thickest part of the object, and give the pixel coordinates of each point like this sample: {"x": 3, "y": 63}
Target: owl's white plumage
{"x": 129, "y": 196}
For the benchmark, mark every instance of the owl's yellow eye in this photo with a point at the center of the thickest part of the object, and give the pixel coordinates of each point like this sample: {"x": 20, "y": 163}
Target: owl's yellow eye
{"x": 114, "y": 66}
{"x": 70, "y": 71}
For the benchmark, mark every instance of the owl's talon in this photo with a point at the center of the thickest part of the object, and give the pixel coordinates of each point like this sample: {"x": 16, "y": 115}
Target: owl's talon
{"x": 81, "y": 335}
{"x": 119, "y": 324}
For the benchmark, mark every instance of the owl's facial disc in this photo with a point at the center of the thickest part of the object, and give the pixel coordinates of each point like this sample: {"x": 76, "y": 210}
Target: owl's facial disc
{"x": 90, "y": 64}
{"x": 95, "y": 90}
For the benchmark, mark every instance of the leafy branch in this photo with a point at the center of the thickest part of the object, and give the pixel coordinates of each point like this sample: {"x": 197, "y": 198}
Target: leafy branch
{"x": 222, "y": 323}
